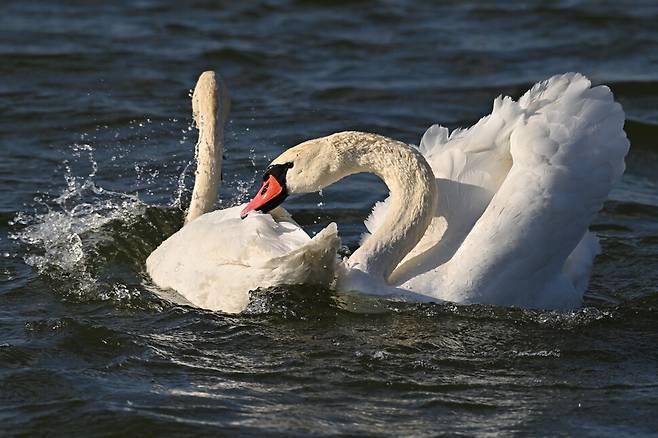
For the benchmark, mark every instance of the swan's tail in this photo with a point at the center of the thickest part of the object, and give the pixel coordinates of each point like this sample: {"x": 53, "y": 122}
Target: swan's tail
{"x": 207, "y": 101}
{"x": 313, "y": 263}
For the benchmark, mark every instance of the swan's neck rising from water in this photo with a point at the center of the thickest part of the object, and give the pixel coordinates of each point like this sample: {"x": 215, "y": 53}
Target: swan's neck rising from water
{"x": 209, "y": 149}
{"x": 410, "y": 181}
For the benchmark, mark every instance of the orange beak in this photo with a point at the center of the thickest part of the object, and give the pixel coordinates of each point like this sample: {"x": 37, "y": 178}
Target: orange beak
{"x": 267, "y": 197}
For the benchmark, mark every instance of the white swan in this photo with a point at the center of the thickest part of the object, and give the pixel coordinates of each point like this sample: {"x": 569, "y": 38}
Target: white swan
{"x": 217, "y": 258}
{"x": 506, "y": 220}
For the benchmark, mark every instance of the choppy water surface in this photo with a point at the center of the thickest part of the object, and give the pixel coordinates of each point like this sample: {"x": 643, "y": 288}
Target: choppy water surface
{"x": 96, "y": 145}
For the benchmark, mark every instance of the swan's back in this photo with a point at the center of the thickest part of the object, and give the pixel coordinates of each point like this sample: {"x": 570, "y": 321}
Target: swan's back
{"x": 218, "y": 258}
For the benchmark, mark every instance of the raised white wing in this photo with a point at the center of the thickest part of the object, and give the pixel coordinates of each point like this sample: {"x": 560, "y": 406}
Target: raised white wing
{"x": 567, "y": 152}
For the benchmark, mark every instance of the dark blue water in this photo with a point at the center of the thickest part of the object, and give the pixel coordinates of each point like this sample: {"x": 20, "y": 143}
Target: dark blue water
{"x": 96, "y": 144}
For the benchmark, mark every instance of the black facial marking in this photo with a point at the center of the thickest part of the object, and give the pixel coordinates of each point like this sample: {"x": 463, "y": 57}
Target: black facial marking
{"x": 278, "y": 171}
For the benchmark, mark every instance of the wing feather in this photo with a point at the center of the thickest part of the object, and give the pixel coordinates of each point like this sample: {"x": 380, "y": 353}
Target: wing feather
{"x": 567, "y": 153}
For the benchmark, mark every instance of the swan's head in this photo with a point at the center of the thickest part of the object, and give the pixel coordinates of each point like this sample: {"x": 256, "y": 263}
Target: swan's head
{"x": 305, "y": 168}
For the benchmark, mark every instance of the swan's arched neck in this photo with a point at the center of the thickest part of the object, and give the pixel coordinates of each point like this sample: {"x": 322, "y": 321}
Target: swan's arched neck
{"x": 208, "y": 101}
{"x": 413, "y": 194}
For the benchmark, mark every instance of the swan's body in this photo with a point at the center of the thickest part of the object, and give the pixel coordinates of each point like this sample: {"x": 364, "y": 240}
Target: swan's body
{"x": 505, "y": 222}
{"x": 216, "y": 259}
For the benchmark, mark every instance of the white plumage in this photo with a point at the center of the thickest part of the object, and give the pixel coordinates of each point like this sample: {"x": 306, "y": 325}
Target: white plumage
{"x": 497, "y": 213}
{"x": 517, "y": 192}
{"x": 218, "y": 258}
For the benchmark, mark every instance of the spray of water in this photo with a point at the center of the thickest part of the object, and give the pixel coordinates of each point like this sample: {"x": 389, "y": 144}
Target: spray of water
{"x": 62, "y": 233}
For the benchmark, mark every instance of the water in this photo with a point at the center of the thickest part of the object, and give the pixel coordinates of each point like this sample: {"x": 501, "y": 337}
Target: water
{"x": 96, "y": 145}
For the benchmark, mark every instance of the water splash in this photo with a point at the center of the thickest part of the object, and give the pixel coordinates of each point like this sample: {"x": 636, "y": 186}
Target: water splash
{"x": 181, "y": 187}
{"x": 78, "y": 237}
{"x": 62, "y": 235}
